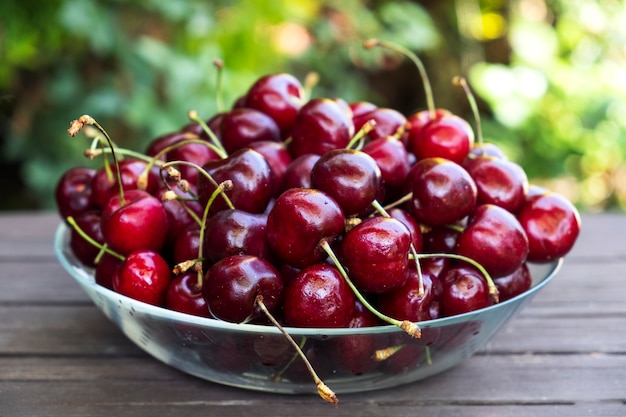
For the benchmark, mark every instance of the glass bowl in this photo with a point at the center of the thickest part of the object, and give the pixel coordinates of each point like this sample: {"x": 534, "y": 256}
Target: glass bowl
{"x": 258, "y": 357}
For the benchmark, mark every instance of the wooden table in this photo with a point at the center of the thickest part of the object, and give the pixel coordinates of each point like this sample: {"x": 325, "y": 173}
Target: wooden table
{"x": 563, "y": 355}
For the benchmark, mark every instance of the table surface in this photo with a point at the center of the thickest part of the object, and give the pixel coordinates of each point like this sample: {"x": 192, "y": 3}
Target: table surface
{"x": 563, "y": 355}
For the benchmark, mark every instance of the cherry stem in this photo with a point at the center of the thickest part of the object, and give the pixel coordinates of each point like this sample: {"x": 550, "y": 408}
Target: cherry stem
{"x": 170, "y": 195}
{"x": 493, "y": 289}
{"x": 322, "y": 389}
{"x": 404, "y": 199}
{"x": 85, "y": 119}
{"x": 364, "y": 130}
{"x": 193, "y": 116}
{"x": 411, "y": 328}
{"x": 72, "y": 222}
{"x": 420, "y": 292}
{"x": 219, "y": 99}
{"x": 384, "y": 354}
{"x": 461, "y": 82}
{"x": 369, "y": 44}
{"x": 310, "y": 81}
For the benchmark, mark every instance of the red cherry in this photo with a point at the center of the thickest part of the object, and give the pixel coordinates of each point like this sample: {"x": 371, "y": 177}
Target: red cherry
{"x": 240, "y": 127}
{"x": 138, "y": 222}
{"x": 73, "y": 192}
{"x": 392, "y": 158}
{"x": 278, "y": 158}
{"x": 298, "y": 173}
{"x": 104, "y": 184}
{"x": 144, "y": 276}
{"x": 185, "y": 295}
{"x": 449, "y": 137}
{"x": 90, "y": 223}
{"x": 388, "y": 122}
{"x": 514, "y": 284}
{"x": 552, "y": 224}
{"x": 464, "y": 290}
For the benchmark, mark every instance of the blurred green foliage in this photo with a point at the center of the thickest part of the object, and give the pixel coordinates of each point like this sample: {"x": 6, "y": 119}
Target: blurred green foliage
{"x": 549, "y": 76}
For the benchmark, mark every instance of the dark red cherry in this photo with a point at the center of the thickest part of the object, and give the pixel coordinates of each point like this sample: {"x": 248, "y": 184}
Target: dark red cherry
{"x": 236, "y": 232}
{"x": 184, "y": 295}
{"x": 318, "y": 297}
{"x": 297, "y": 223}
{"x": 187, "y": 245}
{"x": 388, "y": 122}
{"x": 392, "y": 158}
{"x": 73, "y": 192}
{"x": 498, "y": 181}
{"x": 352, "y": 178}
{"x": 196, "y": 153}
{"x": 514, "y": 284}
{"x": 105, "y": 270}
{"x": 144, "y": 276}
{"x": 552, "y": 224}
{"x": 138, "y": 222}
{"x": 449, "y": 137}
{"x": 409, "y": 221}
{"x": 280, "y": 96}
{"x": 359, "y": 108}
{"x": 440, "y": 239}
{"x": 443, "y": 191}
{"x": 90, "y": 223}
{"x": 278, "y": 158}
{"x": 231, "y": 285}
{"x": 159, "y": 144}
{"x": 321, "y": 126}
{"x": 104, "y": 183}
{"x": 298, "y": 173}
{"x": 405, "y": 302}
{"x": 179, "y": 211}
{"x": 464, "y": 289}
{"x": 240, "y": 127}
{"x": 419, "y": 119}
{"x": 495, "y": 239}
{"x": 376, "y": 254}
{"x": 251, "y": 176}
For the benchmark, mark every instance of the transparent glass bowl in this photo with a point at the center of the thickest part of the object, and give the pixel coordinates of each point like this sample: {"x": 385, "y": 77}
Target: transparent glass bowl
{"x": 259, "y": 358}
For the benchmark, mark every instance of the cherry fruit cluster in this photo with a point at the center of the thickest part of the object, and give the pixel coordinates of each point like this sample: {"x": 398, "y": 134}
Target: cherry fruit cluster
{"x": 315, "y": 212}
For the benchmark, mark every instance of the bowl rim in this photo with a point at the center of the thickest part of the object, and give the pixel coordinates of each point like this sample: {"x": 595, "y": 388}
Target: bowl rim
{"x": 86, "y": 279}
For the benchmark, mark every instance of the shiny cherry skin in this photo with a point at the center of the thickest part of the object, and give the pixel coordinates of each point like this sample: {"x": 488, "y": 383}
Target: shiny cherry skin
{"x": 104, "y": 185}
{"x": 185, "y": 295}
{"x": 392, "y": 158}
{"x": 514, "y": 284}
{"x": 231, "y": 285}
{"x": 443, "y": 191}
{"x": 240, "y": 127}
{"x": 90, "y": 223}
{"x": 495, "y": 239}
{"x": 280, "y": 96}
{"x": 359, "y": 108}
{"x": 138, "y": 222}
{"x": 376, "y": 254}
{"x": 73, "y": 192}
{"x": 318, "y": 297}
{"x": 421, "y": 118}
{"x": 498, "y": 181}
{"x": 297, "y": 223}
{"x": 388, "y": 122}
{"x": 144, "y": 276}
{"x": 186, "y": 246}
{"x": 552, "y": 224}
{"x": 278, "y": 158}
{"x": 449, "y": 137}
{"x": 351, "y": 177}
{"x": 464, "y": 290}
{"x": 409, "y": 221}
{"x": 321, "y": 126}
{"x": 236, "y": 232}
{"x": 105, "y": 270}
{"x": 298, "y": 173}
{"x": 251, "y": 176}
{"x": 196, "y": 153}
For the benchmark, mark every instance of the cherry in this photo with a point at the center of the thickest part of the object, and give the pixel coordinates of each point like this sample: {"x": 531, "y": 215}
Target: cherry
{"x": 419, "y": 119}
{"x": 297, "y": 223}
{"x": 406, "y": 303}
{"x": 278, "y": 158}
{"x": 144, "y": 276}
{"x": 498, "y": 181}
{"x": 251, "y": 176}
{"x": 236, "y": 232}
{"x": 514, "y": 284}
{"x": 449, "y": 137}
{"x": 90, "y": 223}
{"x": 495, "y": 239}
{"x": 104, "y": 183}
{"x": 159, "y": 144}
{"x": 241, "y": 127}
{"x": 181, "y": 209}
{"x": 280, "y": 96}
{"x": 552, "y": 224}
{"x": 486, "y": 149}
{"x": 388, "y": 122}
{"x": 464, "y": 290}
{"x": 187, "y": 245}
{"x": 321, "y": 126}
{"x": 443, "y": 191}
{"x": 359, "y": 108}
{"x": 185, "y": 295}
{"x": 375, "y": 253}
{"x": 138, "y": 221}
{"x": 196, "y": 153}
{"x": 409, "y": 221}
{"x": 352, "y": 178}
{"x": 298, "y": 173}
{"x": 232, "y": 284}
{"x": 392, "y": 158}
{"x": 440, "y": 239}
{"x": 318, "y": 297}
{"x": 73, "y": 191}
{"x": 105, "y": 270}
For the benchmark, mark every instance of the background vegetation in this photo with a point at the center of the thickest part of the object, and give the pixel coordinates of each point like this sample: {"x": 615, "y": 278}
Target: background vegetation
{"x": 549, "y": 75}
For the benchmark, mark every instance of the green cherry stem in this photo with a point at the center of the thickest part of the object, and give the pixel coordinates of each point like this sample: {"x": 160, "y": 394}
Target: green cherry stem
{"x": 193, "y": 116}
{"x": 219, "y": 96}
{"x": 461, "y": 82}
{"x": 411, "y": 328}
{"x": 72, "y": 222}
{"x": 364, "y": 130}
